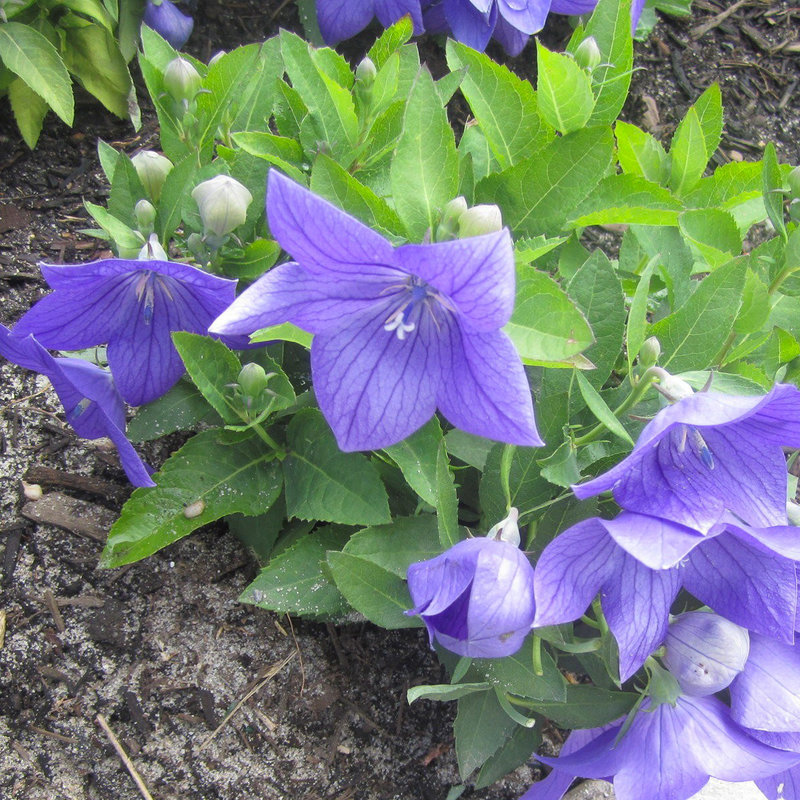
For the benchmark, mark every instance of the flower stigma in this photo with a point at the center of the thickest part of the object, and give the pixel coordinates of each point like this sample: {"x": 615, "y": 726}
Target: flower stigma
{"x": 415, "y": 293}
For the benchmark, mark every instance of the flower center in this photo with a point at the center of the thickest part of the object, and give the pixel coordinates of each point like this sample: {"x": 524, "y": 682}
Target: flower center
{"x": 414, "y": 296}
{"x": 145, "y": 292}
{"x": 698, "y": 444}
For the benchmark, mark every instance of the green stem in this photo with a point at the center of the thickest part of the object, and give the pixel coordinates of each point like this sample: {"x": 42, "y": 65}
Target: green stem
{"x": 637, "y": 391}
{"x": 780, "y": 278}
{"x": 542, "y": 506}
{"x": 280, "y": 453}
{"x": 538, "y": 669}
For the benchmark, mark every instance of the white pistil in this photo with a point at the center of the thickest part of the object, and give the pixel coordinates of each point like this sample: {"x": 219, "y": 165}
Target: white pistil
{"x": 395, "y": 323}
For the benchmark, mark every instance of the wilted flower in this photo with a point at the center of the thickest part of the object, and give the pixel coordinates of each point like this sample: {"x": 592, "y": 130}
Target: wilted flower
{"x": 668, "y": 753}
{"x": 705, "y": 652}
{"x": 476, "y": 599}
{"x": 398, "y": 331}
{"x": 133, "y": 306}
{"x": 341, "y": 19}
{"x": 165, "y": 19}
{"x": 223, "y": 204}
{"x": 152, "y": 169}
{"x": 732, "y": 572}
{"x": 92, "y": 403}
{"x": 707, "y": 455}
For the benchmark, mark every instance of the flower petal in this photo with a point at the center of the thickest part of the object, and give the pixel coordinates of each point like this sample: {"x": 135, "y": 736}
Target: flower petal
{"x": 468, "y": 24}
{"x": 636, "y": 604}
{"x": 529, "y": 18}
{"x": 749, "y": 585}
{"x": 571, "y": 570}
{"x": 484, "y": 389}
{"x": 766, "y": 695}
{"x": 325, "y": 240}
{"x": 341, "y": 19}
{"x": 389, "y": 11}
{"x": 287, "y": 293}
{"x": 783, "y": 786}
{"x": 476, "y": 274}
{"x": 657, "y": 543}
{"x": 373, "y": 388}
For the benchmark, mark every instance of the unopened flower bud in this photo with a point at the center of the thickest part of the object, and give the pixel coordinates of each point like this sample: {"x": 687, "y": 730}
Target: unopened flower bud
{"x": 507, "y": 529}
{"x": 794, "y": 182}
{"x": 479, "y": 220}
{"x": 649, "y": 352}
{"x": 152, "y": 169}
{"x": 252, "y": 379}
{"x": 152, "y": 250}
{"x": 145, "y": 214}
{"x": 448, "y": 223}
{"x": 673, "y": 387}
{"x": 705, "y": 652}
{"x": 223, "y": 203}
{"x": 182, "y": 80}
{"x": 366, "y": 72}
{"x": 588, "y": 54}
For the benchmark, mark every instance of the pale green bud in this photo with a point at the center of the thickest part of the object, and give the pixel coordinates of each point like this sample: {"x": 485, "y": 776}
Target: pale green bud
{"x": 479, "y": 220}
{"x": 181, "y": 80}
{"x": 794, "y": 182}
{"x": 675, "y": 388}
{"x": 223, "y": 203}
{"x": 507, "y": 529}
{"x": 588, "y": 54}
{"x": 152, "y": 250}
{"x": 366, "y": 72}
{"x": 152, "y": 169}
{"x": 448, "y": 223}
{"x": 649, "y": 352}
{"x": 252, "y": 379}
{"x": 145, "y": 214}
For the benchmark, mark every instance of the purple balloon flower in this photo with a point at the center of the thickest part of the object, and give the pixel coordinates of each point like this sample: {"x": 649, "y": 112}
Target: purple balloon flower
{"x": 92, "y": 403}
{"x": 133, "y": 306}
{"x": 733, "y": 572}
{"x": 476, "y": 599}
{"x": 707, "y": 455}
{"x": 170, "y": 23}
{"x": 341, "y": 19}
{"x": 399, "y": 332}
{"x": 668, "y": 753}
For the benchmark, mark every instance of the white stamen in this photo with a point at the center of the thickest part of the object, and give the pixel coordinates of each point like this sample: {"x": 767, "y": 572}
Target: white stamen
{"x": 395, "y": 323}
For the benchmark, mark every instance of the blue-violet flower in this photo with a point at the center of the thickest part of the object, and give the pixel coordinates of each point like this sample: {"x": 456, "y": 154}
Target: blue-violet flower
{"x": 167, "y": 20}
{"x": 341, "y": 19}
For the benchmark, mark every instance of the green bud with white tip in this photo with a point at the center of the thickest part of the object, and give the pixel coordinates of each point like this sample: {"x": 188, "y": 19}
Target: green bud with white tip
{"x": 152, "y": 169}
{"x": 145, "y": 214}
{"x": 252, "y": 379}
{"x": 181, "y": 80}
{"x": 222, "y": 202}
{"x": 587, "y": 54}
{"x": 479, "y": 220}
{"x": 366, "y": 72}
{"x": 649, "y": 352}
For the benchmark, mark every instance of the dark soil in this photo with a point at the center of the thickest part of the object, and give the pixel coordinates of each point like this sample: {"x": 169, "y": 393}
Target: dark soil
{"x": 162, "y": 650}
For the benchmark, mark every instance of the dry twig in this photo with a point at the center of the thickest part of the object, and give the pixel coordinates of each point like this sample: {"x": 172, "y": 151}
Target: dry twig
{"x": 123, "y": 756}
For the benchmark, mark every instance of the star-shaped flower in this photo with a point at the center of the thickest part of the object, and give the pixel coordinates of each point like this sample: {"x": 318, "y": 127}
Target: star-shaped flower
{"x": 399, "y": 332}
{"x": 132, "y": 306}
{"x": 341, "y": 19}
{"x": 92, "y": 403}
{"x": 709, "y": 455}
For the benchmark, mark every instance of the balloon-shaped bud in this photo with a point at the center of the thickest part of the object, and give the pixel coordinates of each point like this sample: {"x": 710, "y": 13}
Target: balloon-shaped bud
{"x": 252, "y": 379}
{"x": 479, "y": 220}
{"x": 366, "y": 71}
{"x": 223, "y": 203}
{"x": 649, "y": 352}
{"x": 507, "y": 530}
{"x": 705, "y": 652}
{"x": 181, "y": 80}
{"x": 152, "y": 250}
{"x": 448, "y": 222}
{"x": 145, "y": 214}
{"x": 152, "y": 169}
{"x": 588, "y": 54}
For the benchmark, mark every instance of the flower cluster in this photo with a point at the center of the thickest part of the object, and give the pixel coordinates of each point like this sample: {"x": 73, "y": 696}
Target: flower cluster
{"x": 473, "y": 22}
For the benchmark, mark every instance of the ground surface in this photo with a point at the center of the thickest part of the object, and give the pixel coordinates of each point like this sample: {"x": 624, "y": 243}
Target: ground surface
{"x": 162, "y": 650}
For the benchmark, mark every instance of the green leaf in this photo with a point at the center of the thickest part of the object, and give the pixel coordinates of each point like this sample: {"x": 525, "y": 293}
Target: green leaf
{"x": 481, "y": 728}
{"x": 286, "y": 332}
{"x": 180, "y": 409}
{"x": 546, "y": 325}
{"x": 504, "y": 105}
{"x": 253, "y": 105}
{"x": 28, "y": 54}
{"x": 599, "y": 408}
{"x": 640, "y": 154}
{"x": 398, "y": 545}
{"x": 126, "y": 191}
{"x": 528, "y": 487}
{"x": 212, "y": 366}
{"x": 564, "y": 91}
{"x": 596, "y": 289}
{"x": 334, "y": 183}
{"x": 693, "y": 335}
{"x": 324, "y": 483}
{"x": 254, "y": 261}
{"x": 391, "y": 40}
{"x": 713, "y": 233}
{"x": 329, "y": 104}
{"x": 219, "y": 471}
{"x": 378, "y": 594}
{"x": 444, "y": 692}
{"x": 610, "y": 25}
{"x": 297, "y": 582}
{"x": 688, "y": 153}
{"x": 469, "y": 448}
{"x": 637, "y": 314}
{"x": 126, "y": 239}
{"x": 417, "y": 458}
{"x": 516, "y": 750}
{"x": 130, "y": 21}
{"x": 29, "y": 110}
{"x": 92, "y": 56}
{"x": 709, "y": 113}
{"x": 424, "y": 170}
{"x": 526, "y": 251}
{"x": 772, "y": 187}
{"x": 447, "y": 504}
{"x": 627, "y": 199}
{"x": 561, "y": 468}
{"x": 587, "y": 707}
{"x": 539, "y": 194}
